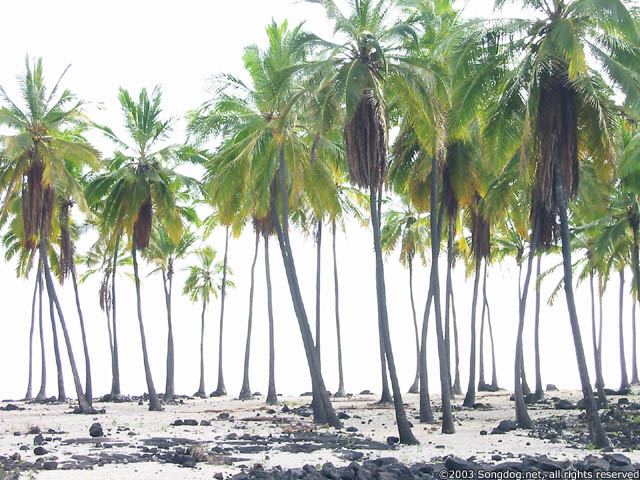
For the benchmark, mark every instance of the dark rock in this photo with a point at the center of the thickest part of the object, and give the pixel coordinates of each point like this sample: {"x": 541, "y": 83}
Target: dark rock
{"x": 507, "y": 425}
{"x": 224, "y": 416}
{"x": 352, "y": 429}
{"x": 456, "y": 463}
{"x": 10, "y": 407}
{"x": 343, "y": 416}
{"x": 551, "y": 387}
{"x": 40, "y": 451}
{"x": 96, "y": 430}
{"x": 271, "y": 411}
{"x": 542, "y": 463}
{"x": 34, "y": 430}
{"x": 205, "y": 423}
{"x": 38, "y": 439}
{"x": 392, "y": 440}
{"x": 623, "y": 401}
{"x": 483, "y": 432}
{"x": 496, "y": 458}
{"x": 366, "y": 392}
{"x": 51, "y": 465}
{"x": 190, "y": 422}
{"x": 218, "y": 476}
{"x": 507, "y": 467}
{"x": 330, "y": 471}
{"x": 177, "y": 423}
{"x": 497, "y": 431}
{"x": 564, "y": 404}
{"x": 617, "y": 459}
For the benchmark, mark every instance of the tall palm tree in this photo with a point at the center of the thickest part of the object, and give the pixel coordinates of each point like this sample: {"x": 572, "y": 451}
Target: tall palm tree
{"x": 245, "y": 390}
{"x": 164, "y": 254}
{"x": 38, "y": 153}
{"x": 139, "y": 184}
{"x": 204, "y": 282}
{"x": 551, "y": 94}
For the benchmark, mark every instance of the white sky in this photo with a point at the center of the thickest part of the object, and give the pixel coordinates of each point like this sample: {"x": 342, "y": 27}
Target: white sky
{"x": 180, "y": 46}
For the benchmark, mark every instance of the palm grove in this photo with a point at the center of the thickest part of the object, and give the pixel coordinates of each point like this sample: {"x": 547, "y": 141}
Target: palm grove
{"x": 492, "y": 140}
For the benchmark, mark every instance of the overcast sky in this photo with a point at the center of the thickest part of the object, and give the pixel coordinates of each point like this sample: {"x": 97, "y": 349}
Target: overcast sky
{"x": 181, "y": 45}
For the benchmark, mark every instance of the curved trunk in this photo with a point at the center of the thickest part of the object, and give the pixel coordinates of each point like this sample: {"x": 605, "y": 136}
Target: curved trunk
{"x": 522, "y": 415}
{"x": 494, "y": 373}
{"x": 83, "y": 405}
{"x": 447, "y": 303}
{"x": 599, "y": 387}
{"x": 602, "y": 396}
{"x": 221, "y": 389}
{"x": 385, "y": 397}
{"x": 201, "y": 391}
{"x": 323, "y": 411}
{"x": 154, "y": 403}
{"x": 318, "y": 266}
{"x": 115, "y": 366}
{"x": 539, "y": 394}
{"x": 108, "y": 314}
{"x": 42, "y": 394}
{"x": 457, "y": 389}
{"x": 415, "y": 387}
{"x": 597, "y": 433}
{"x": 470, "y": 397}
{"x": 523, "y": 375}
{"x": 29, "y": 394}
{"x": 482, "y": 385}
{"x": 426, "y": 412}
{"x": 404, "y": 429}
{"x": 635, "y": 259}
{"x": 167, "y": 282}
{"x": 62, "y": 396}
{"x": 272, "y": 397}
{"x": 88, "y": 384}
{"x": 340, "y": 392}
{"x": 245, "y": 391}
{"x": 634, "y": 359}
{"x": 624, "y": 380}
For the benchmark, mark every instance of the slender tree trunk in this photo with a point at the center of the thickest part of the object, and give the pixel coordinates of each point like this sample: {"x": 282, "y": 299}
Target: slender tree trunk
{"x": 624, "y": 380}
{"x": 62, "y": 396}
{"x": 154, "y": 402}
{"x": 634, "y": 366}
{"x": 340, "y": 392}
{"x": 323, "y": 411}
{"x": 29, "y": 394}
{"x": 470, "y": 397}
{"x": 221, "y": 389}
{"x": 108, "y": 314}
{"x": 245, "y": 391}
{"x": 85, "y": 346}
{"x": 83, "y": 405}
{"x": 115, "y": 367}
{"x": 202, "y": 393}
{"x": 635, "y": 259}
{"x": 494, "y": 373}
{"x": 523, "y": 375}
{"x": 167, "y": 282}
{"x": 415, "y": 387}
{"x": 272, "y": 397}
{"x": 318, "y": 266}
{"x": 539, "y": 394}
{"x": 447, "y": 308}
{"x": 385, "y": 397}
{"x": 404, "y": 429}
{"x": 42, "y": 394}
{"x": 457, "y": 389}
{"x": 602, "y": 396}
{"x": 522, "y": 415}
{"x": 597, "y": 433}
{"x": 482, "y": 385}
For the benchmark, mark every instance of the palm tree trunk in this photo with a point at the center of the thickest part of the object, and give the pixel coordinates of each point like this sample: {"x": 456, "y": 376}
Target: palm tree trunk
{"x": 404, "y": 429}
{"x": 635, "y": 260}
{"x": 385, "y": 397}
{"x": 84, "y": 406}
{"x": 470, "y": 397}
{"x": 115, "y": 367}
{"x": 318, "y": 266}
{"x": 522, "y": 415}
{"x": 523, "y": 375}
{"x": 426, "y": 412}
{"x": 340, "y": 392}
{"x": 272, "y": 397}
{"x": 154, "y": 403}
{"x": 62, "y": 397}
{"x": 221, "y": 389}
{"x": 85, "y": 347}
{"x": 457, "y": 389}
{"x": 482, "y": 385}
{"x": 597, "y": 433}
{"x": 436, "y": 235}
{"x": 169, "y": 390}
{"x": 602, "y": 396}
{"x": 494, "y": 373}
{"x": 624, "y": 380}
{"x": 634, "y": 366}
{"x": 447, "y": 303}
{"x": 42, "y": 394}
{"x": 201, "y": 391}
{"x": 415, "y": 387}
{"x": 110, "y": 333}
{"x": 29, "y": 394}
{"x": 323, "y": 411}
{"x": 245, "y": 391}
{"x": 539, "y": 393}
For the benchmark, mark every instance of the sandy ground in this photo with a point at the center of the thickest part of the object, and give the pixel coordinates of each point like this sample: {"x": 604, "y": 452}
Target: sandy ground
{"x": 375, "y": 423}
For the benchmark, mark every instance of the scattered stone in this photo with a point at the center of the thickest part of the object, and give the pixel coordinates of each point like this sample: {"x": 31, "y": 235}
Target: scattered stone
{"x": 366, "y": 392}
{"x": 205, "y": 423}
{"x": 50, "y": 465}
{"x": 563, "y": 404}
{"x": 40, "y": 451}
{"x": 507, "y": 425}
{"x": 392, "y": 440}
{"x": 10, "y": 407}
{"x": 38, "y": 439}
{"x": 190, "y": 422}
{"x": 551, "y": 387}
{"x": 34, "y": 430}
{"x": 96, "y": 430}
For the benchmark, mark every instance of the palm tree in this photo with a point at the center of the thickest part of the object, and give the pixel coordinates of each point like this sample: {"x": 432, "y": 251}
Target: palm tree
{"x": 245, "y": 391}
{"x": 552, "y": 94}
{"x": 220, "y": 388}
{"x": 38, "y": 155}
{"x": 204, "y": 281}
{"x": 164, "y": 253}
{"x": 140, "y": 183}
{"x": 407, "y": 227}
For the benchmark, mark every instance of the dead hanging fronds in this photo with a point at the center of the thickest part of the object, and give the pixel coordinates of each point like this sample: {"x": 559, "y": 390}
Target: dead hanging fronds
{"x": 32, "y": 200}
{"x": 142, "y": 225}
{"x": 556, "y": 141}
{"x": 366, "y": 142}
{"x": 264, "y": 225}
{"x": 66, "y": 245}
{"x": 480, "y": 231}
{"x": 448, "y": 192}
{"x": 105, "y": 291}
